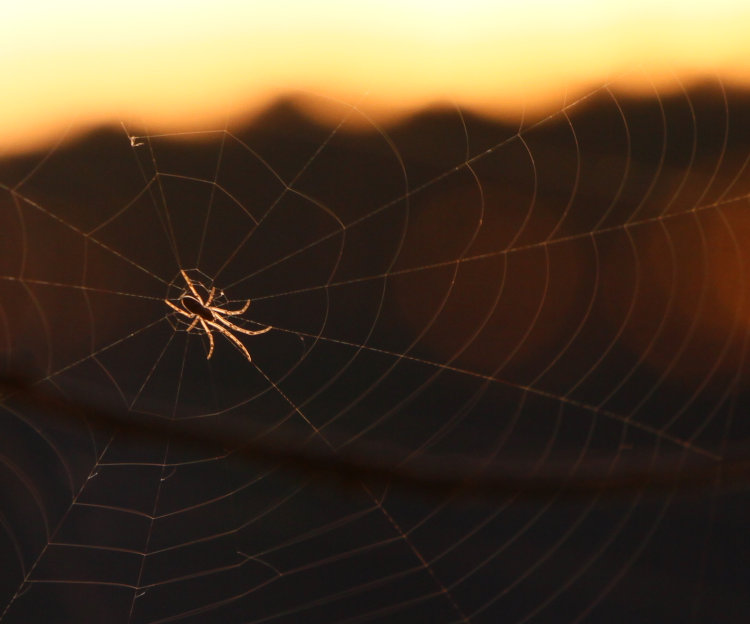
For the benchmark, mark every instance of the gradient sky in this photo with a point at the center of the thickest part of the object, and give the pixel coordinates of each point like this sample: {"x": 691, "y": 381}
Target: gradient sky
{"x": 177, "y": 65}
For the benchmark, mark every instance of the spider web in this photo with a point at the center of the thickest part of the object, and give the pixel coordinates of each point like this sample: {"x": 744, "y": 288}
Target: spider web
{"x": 555, "y": 297}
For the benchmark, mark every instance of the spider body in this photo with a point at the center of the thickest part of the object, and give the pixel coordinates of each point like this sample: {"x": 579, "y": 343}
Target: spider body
{"x": 194, "y": 306}
{"x": 199, "y": 311}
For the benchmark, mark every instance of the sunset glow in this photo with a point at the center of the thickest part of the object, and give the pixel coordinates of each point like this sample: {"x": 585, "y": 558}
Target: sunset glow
{"x": 180, "y": 65}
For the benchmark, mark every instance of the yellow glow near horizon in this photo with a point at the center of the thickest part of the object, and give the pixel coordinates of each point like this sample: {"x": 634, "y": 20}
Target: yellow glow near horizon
{"x": 176, "y": 64}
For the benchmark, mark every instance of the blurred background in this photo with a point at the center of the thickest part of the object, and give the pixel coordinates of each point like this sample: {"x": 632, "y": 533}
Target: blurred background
{"x": 502, "y": 249}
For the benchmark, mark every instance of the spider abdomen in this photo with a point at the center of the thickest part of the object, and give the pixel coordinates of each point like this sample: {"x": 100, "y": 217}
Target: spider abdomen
{"x": 195, "y": 307}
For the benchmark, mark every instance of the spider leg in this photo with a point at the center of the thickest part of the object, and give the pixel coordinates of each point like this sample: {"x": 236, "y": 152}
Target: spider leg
{"x": 230, "y": 312}
{"x": 231, "y": 337}
{"x": 207, "y": 329}
{"x": 208, "y": 301}
{"x": 194, "y": 318}
{"x": 242, "y": 330}
{"x": 191, "y": 286}
{"x": 176, "y": 309}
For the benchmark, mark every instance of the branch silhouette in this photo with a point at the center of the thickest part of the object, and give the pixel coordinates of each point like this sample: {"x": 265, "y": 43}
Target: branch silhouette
{"x": 432, "y": 477}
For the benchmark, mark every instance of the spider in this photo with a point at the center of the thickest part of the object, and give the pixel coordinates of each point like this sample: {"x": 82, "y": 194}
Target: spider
{"x": 211, "y": 317}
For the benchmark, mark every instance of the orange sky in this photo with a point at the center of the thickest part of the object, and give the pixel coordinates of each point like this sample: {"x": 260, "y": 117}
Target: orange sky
{"x": 180, "y": 65}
